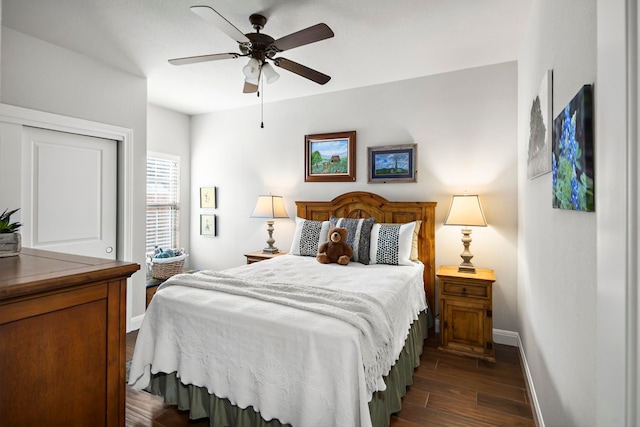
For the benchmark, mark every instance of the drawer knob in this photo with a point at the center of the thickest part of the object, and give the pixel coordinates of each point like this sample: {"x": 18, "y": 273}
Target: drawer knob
{"x": 464, "y": 292}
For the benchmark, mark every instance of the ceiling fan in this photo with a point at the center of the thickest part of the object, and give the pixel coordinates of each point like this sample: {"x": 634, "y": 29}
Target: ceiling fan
{"x": 260, "y": 48}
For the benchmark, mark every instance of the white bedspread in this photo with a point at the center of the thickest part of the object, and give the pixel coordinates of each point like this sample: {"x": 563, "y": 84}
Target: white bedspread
{"x": 303, "y": 368}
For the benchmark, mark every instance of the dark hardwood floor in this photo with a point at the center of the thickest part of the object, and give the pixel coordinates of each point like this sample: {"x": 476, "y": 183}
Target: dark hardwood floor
{"x": 448, "y": 390}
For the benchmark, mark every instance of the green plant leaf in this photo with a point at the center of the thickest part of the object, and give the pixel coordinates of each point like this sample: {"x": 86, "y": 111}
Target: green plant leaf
{"x": 6, "y": 226}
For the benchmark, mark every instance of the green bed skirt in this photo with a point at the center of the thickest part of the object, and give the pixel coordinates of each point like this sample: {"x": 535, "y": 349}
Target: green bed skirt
{"x": 221, "y": 412}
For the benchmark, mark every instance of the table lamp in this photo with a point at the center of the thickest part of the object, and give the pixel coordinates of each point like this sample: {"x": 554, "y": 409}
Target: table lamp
{"x": 466, "y": 211}
{"x": 270, "y": 207}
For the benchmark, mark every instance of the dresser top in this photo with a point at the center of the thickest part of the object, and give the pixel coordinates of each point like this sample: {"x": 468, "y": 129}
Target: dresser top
{"x": 34, "y": 271}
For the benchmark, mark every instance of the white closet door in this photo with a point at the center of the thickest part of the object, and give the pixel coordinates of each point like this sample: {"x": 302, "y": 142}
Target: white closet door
{"x": 70, "y": 202}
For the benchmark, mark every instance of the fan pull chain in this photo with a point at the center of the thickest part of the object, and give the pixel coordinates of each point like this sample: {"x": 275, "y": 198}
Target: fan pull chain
{"x": 261, "y": 102}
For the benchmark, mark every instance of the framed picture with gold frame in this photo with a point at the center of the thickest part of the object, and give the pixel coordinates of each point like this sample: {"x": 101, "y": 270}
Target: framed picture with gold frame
{"x": 330, "y": 157}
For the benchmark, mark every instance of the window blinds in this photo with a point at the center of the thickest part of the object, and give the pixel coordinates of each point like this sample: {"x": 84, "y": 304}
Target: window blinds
{"x": 163, "y": 203}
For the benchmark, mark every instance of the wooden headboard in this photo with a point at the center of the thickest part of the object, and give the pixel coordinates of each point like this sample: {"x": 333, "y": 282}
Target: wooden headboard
{"x": 361, "y": 204}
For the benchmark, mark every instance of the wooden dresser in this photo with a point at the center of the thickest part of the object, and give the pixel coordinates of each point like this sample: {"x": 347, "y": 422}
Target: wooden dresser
{"x": 62, "y": 339}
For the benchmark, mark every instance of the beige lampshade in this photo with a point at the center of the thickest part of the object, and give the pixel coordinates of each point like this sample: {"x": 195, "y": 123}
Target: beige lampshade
{"x": 270, "y": 207}
{"x": 465, "y": 210}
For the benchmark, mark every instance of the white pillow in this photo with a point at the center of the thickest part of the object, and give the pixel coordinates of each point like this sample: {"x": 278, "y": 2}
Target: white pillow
{"x": 391, "y": 243}
{"x": 309, "y": 235}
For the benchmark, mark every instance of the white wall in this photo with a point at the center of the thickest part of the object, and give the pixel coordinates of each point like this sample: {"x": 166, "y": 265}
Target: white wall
{"x": 463, "y": 122}
{"x": 617, "y": 166}
{"x": 557, "y": 248}
{"x": 168, "y": 133}
{"x": 41, "y": 76}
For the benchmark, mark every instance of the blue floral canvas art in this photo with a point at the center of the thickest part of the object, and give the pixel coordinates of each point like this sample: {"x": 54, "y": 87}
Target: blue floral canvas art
{"x": 572, "y": 160}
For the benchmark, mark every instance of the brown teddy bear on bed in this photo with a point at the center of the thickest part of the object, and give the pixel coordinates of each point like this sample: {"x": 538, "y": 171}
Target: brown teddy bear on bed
{"x": 336, "y": 248}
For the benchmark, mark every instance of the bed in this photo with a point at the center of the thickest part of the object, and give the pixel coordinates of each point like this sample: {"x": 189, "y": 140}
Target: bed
{"x": 291, "y": 341}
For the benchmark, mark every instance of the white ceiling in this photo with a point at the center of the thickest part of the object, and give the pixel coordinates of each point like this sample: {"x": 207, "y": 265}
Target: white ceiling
{"x": 376, "y": 41}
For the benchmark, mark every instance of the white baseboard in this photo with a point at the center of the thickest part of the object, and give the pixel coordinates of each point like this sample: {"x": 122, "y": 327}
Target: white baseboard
{"x": 511, "y": 338}
{"x": 500, "y": 336}
{"x": 532, "y": 389}
{"x": 135, "y": 323}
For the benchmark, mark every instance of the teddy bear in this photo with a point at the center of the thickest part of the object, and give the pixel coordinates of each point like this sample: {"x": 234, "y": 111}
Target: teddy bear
{"x": 335, "y": 249}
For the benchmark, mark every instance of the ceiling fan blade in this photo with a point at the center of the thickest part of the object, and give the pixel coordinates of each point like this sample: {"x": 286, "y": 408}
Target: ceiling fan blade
{"x": 203, "y": 58}
{"x": 312, "y": 34}
{"x": 301, "y": 70}
{"x": 249, "y": 87}
{"x": 209, "y": 14}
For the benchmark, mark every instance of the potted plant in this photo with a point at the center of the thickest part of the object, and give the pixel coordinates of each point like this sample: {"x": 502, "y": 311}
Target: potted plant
{"x": 10, "y": 241}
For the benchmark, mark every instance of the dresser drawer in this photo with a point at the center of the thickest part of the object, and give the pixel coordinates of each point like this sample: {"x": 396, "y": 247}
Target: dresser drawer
{"x": 463, "y": 289}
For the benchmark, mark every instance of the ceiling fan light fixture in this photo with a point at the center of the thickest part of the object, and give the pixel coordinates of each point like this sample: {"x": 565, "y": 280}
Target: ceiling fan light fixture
{"x": 270, "y": 74}
{"x": 252, "y": 69}
{"x": 260, "y": 47}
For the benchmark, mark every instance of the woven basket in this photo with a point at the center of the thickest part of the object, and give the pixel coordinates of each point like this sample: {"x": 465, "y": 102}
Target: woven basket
{"x": 163, "y": 268}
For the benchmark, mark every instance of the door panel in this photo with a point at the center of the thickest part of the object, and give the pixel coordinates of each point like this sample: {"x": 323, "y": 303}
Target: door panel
{"x": 71, "y": 199}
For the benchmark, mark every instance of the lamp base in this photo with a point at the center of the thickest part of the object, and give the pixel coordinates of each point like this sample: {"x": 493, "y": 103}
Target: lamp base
{"x": 466, "y": 255}
{"x": 270, "y": 249}
{"x": 464, "y": 268}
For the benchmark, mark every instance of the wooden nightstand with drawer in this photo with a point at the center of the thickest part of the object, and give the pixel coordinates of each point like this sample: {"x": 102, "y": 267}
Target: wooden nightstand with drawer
{"x": 466, "y": 312}
{"x": 261, "y": 256}
{"x": 153, "y": 284}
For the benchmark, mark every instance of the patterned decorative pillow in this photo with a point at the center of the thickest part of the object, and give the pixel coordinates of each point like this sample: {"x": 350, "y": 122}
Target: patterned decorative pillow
{"x": 359, "y": 236}
{"x": 308, "y": 236}
{"x": 392, "y": 243}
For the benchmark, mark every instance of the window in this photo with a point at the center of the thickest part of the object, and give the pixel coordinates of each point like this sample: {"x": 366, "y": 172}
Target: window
{"x": 163, "y": 201}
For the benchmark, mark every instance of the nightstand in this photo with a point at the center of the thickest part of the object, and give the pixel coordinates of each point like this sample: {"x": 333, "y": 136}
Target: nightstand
{"x": 152, "y": 286}
{"x": 259, "y": 256}
{"x": 466, "y": 312}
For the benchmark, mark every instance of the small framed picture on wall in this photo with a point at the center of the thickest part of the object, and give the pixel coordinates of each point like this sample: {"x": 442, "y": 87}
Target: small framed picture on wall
{"x": 392, "y": 163}
{"x": 208, "y": 197}
{"x": 207, "y": 225}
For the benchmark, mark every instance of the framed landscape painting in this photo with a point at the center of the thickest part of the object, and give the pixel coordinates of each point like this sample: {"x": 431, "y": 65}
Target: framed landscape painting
{"x": 540, "y": 134}
{"x": 572, "y": 159}
{"x": 392, "y": 163}
{"x": 330, "y": 157}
